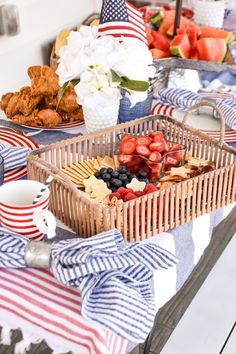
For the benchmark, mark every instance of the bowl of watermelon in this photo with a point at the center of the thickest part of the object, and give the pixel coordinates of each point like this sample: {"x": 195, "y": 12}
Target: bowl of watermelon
{"x": 191, "y": 41}
{"x": 151, "y": 153}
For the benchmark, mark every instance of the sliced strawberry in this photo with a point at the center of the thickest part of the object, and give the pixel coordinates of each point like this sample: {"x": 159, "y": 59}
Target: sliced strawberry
{"x": 128, "y": 147}
{"x": 123, "y": 159}
{"x": 135, "y": 161}
{"x": 143, "y": 140}
{"x": 142, "y": 150}
{"x": 158, "y": 137}
{"x": 115, "y": 194}
{"x": 170, "y": 160}
{"x": 125, "y": 137}
{"x": 129, "y": 196}
{"x": 159, "y": 146}
{"x": 156, "y": 169}
{"x": 175, "y": 147}
{"x": 150, "y": 188}
{"x": 155, "y": 156}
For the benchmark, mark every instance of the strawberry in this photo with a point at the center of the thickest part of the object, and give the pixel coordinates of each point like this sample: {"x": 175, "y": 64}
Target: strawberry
{"x": 175, "y": 147}
{"x": 143, "y": 140}
{"x": 155, "y": 156}
{"x": 156, "y": 134}
{"x": 139, "y": 193}
{"x": 158, "y": 137}
{"x": 123, "y": 159}
{"x": 128, "y": 147}
{"x": 156, "y": 169}
{"x": 159, "y": 146}
{"x": 135, "y": 161}
{"x": 125, "y": 137}
{"x": 129, "y": 196}
{"x": 115, "y": 194}
{"x": 170, "y": 160}
{"x": 153, "y": 177}
{"x": 150, "y": 188}
{"x": 142, "y": 150}
{"x": 121, "y": 191}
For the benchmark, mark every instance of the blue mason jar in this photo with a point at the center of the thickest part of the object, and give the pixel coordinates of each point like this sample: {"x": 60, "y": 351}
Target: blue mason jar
{"x": 140, "y": 109}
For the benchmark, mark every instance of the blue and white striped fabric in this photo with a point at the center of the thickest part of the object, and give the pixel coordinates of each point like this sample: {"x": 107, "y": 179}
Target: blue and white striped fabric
{"x": 113, "y": 279}
{"x": 13, "y": 157}
{"x": 183, "y": 99}
{"x": 12, "y": 249}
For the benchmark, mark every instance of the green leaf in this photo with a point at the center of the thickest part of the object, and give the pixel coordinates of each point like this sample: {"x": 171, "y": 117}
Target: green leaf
{"x": 115, "y": 77}
{"x": 135, "y": 85}
{"x": 75, "y": 81}
{"x": 61, "y": 92}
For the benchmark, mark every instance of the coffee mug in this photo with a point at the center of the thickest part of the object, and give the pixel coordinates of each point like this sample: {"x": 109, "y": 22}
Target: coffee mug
{"x": 18, "y": 214}
{"x": 1, "y": 170}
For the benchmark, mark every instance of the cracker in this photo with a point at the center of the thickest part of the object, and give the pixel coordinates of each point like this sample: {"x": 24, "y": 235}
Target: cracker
{"x": 166, "y": 184}
{"x": 96, "y": 165}
{"x": 81, "y": 170}
{"x": 136, "y": 185}
{"x": 87, "y": 167}
{"x": 180, "y": 171}
{"x": 116, "y": 162}
{"x": 107, "y": 161}
{"x": 197, "y": 162}
{"x": 171, "y": 178}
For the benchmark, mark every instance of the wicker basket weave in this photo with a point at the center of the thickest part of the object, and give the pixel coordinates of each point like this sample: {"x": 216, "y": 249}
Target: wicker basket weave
{"x": 156, "y": 212}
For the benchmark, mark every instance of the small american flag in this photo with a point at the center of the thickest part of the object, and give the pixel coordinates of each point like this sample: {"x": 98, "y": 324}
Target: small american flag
{"x": 121, "y": 19}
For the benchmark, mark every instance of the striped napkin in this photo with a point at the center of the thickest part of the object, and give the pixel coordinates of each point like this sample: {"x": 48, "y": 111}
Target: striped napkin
{"x": 183, "y": 99}
{"x": 13, "y": 157}
{"x": 113, "y": 279}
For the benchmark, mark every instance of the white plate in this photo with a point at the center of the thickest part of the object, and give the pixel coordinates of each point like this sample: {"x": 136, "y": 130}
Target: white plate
{"x": 10, "y": 138}
{"x": 204, "y": 122}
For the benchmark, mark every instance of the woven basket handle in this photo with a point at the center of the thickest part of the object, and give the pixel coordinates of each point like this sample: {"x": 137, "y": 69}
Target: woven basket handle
{"x": 215, "y": 107}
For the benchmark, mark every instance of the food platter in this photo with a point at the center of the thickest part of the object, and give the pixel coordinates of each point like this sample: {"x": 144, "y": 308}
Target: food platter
{"x": 15, "y": 139}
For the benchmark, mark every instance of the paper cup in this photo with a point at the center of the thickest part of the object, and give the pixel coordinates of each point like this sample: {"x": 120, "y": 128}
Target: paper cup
{"x": 18, "y": 214}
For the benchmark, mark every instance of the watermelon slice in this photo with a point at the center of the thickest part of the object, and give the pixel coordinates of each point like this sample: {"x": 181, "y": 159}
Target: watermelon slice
{"x": 212, "y": 32}
{"x": 180, "y": 46}
{"x": 160, "y": 41}
{"x": 183, "y": 25}
{"x": 167, "y": 21}
{"x": 212, "y": 49}
{"x": 157, "y": 18}
{"x": 159, "y": 54}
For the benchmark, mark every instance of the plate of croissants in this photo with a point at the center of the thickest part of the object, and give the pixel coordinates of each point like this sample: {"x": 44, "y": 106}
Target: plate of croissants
{"x": 37, "y": 106}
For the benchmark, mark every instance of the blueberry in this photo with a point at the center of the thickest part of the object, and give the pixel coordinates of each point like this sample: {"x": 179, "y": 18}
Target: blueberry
{"x": 123, "y": 177}
{"x": 144, "y": 180}
{"x": 106, "y": 177}
{"x": 103, "y": 170}
{"x": 113, "y": 189}
{"x": 109, "y": 170}
{"x": 115, "y": 174}
{"x": 132, "y": 175}
{"x": 128, "y": 174}
{"x": 97, "y": 174}
{"x": 116, "y": 182}
{"x": 142, "y": 174}
{"x": 108, "y": 183}
{"x": 122, "y": 169}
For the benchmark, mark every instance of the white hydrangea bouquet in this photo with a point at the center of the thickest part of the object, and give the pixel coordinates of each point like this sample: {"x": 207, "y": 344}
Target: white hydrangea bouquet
{"x": 100, "y": 67}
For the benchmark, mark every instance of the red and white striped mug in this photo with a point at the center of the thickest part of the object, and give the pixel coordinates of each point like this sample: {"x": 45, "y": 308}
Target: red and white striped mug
{"x": 18, "y": 214}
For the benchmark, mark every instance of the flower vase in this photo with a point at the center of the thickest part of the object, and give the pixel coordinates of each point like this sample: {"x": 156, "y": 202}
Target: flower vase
{"x": 209, "y": 13}
{"x": 102, "y": 116}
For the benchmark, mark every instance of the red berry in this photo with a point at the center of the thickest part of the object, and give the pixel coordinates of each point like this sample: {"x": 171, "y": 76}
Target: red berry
{"x": 158, "y": 137}
{"x": 175, "y": 147}
{"x": 125, "y": 137}
{"x": 121, "y": 191}
{"x": 143, "y": 140}
{"x": 128, "y": 147}
{"x": 143, "y": 150}
{"x": 171, "y": 161}
{"x": 123, "y": 159}
{"x": 135, "y": 161}
{"x": 153, "y": 134}
{"x": 115, "y": 194}
{"x": 129, "y": 196}
{"x": 150, "y": 188}
{"x": 156, "y": 169}
{"x": 155, "y": 156}
{"x": 139, "y": 193}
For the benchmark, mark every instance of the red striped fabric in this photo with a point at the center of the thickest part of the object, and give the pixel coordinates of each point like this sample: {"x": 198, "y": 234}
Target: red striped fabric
{"x": 161, "y": 109}
{"x": 35, "y": 297}
{"x": 120, "y": 18}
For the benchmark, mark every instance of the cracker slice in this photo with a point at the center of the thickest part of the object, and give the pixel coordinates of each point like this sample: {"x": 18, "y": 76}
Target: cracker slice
{"x": 107, "y": 161}
{"x": 96, "y": 165}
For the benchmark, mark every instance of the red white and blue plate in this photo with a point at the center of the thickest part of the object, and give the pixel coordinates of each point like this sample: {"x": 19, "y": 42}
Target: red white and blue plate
{"x": 61, "y": 126}
{"x": 204, "y": 122}
{"x": 15, "y": 139}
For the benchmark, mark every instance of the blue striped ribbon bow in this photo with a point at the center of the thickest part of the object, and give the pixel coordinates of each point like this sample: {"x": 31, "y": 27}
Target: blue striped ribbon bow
{"x": 114, "y": 279}
{"x": 13, "y": 156}
{"x": 183, "y": 99}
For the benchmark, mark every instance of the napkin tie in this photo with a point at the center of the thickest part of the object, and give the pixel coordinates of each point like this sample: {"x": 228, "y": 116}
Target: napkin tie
{"x": 13, "y": 157}
{"x": 113, "y": 278}
{"x": 183, "y": 99}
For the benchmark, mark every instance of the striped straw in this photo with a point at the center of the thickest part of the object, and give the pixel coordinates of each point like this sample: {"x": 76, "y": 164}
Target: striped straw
{"x": 43, "y": 189}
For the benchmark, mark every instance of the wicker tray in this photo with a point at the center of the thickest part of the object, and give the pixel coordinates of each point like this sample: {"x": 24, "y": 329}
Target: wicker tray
{"x": 142, "y": 217}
